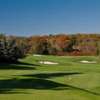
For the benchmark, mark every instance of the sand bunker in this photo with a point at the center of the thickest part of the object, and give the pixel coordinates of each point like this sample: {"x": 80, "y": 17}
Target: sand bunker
{"x": 37, "y": 55}
{"x": 88, "y": 62}
{"x": 48, "y": 63}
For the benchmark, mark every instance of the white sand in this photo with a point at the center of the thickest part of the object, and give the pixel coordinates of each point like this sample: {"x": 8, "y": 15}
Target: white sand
{"x": 88, "y": 62}
{"x": 48, "y": 62}
{"x": 37, "y": 55}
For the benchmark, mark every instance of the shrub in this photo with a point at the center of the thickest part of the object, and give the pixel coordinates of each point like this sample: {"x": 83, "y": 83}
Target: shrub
{"x": 10, "y": 50}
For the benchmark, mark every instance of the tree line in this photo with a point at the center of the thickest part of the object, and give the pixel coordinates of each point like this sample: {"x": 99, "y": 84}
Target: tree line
{"x": 62, "y": 44}
{"x": 13, "y": 47}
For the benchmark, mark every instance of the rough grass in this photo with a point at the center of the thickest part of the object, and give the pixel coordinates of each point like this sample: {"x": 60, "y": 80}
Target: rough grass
{"x": 69, "y": 80}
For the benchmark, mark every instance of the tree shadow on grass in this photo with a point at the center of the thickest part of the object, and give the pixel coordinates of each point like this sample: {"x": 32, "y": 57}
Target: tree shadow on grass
{"x": 29, "y": 83}
{"x": 8, "y": 86}
{"x": 51, "y": 75}
{"x": 82, "y": 89}
{"x": 35, "y": 81}
{"x": 17, "y": 66}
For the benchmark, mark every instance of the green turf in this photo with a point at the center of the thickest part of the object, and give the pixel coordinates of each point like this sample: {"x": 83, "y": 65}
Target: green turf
{"x": 69, "y": 80}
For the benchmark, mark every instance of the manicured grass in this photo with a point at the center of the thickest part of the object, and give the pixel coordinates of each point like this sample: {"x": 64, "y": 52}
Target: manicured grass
{"x": 69, "y": 80}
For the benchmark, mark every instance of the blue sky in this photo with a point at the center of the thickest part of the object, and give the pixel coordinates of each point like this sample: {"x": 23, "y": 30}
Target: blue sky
{"x": 29, "y": 17}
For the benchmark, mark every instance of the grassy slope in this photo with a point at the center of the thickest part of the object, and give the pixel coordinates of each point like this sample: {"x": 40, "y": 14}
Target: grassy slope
{"x": 70, "y": 80}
